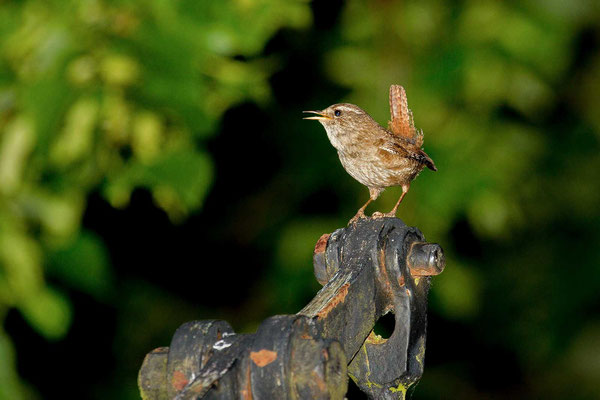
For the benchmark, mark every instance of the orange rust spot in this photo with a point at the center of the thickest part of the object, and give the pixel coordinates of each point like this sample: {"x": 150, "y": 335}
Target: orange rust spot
{"x": 384, "y": 274}
{"x": 322, "y": 243}
{"x": 179, "y": 380}
{"x": 219, "y": 335}
{"x": 263, "y": 357}
{"x": 424, "y": 270}
{"x": 305, "y": 336}
{"x": 339, "y": 298}
{"x": 401, "y": 280}
{"x": 319, "y": 381}
{"x": 325, "y": 354}
{"x": 247, "y": 391}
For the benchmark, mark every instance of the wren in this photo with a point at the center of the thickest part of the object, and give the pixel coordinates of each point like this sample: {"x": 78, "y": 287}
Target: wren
{"x": 377, "y": 157}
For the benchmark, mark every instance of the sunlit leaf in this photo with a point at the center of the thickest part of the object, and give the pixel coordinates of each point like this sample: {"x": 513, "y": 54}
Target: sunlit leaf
{"x": 187, "y": 173}
{"x": 119, "y": 70}
{"x": 20, "y": 260}
{"x": 147, "y": 136}
{"x": 16, "y": 144}
{"x": 48, "y": 311}
{"x": 76, "y": 139}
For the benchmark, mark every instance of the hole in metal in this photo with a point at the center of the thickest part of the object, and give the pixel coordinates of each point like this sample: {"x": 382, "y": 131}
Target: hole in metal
{"x": 385, "y": 325}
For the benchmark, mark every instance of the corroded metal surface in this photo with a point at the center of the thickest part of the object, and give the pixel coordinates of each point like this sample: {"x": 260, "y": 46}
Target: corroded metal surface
{"x": 377, "y": 266}
{"x": 368, "y": 269}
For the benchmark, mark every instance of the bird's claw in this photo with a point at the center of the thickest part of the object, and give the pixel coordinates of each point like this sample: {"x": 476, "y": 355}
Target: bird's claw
{"x": 378, "y": 214}
{"x": 359, "y": 215}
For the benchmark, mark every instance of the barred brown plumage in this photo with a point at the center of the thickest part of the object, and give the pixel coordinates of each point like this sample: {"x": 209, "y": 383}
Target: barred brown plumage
{"x": 377, "y": 157}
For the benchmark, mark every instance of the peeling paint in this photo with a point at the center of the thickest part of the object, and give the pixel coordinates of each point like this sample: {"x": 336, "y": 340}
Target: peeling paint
{"x": 401, "y": 280}
{"x": 322, "y": 243}
{"x": 179, "y": 380}
{"x": 340, "y": 297}
{"x": 263, "y": 357}
{"x": 246, "y": 393}
{"x": 221, "y": 344}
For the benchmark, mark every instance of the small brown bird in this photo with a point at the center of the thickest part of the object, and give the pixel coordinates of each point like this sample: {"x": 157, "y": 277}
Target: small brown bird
{"x": 377, "y": 157}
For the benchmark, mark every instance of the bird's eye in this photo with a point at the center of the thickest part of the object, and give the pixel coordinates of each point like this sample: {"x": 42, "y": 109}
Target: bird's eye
{"x": 337, "y": 113}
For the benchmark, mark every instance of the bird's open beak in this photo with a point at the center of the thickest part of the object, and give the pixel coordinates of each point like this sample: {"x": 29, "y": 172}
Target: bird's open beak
{"x": 320, "y": 115}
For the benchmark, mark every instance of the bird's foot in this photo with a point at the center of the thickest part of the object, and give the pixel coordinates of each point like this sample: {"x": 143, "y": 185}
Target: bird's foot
{"x": 359, "y": 215}
{"x": 378, "y": 214}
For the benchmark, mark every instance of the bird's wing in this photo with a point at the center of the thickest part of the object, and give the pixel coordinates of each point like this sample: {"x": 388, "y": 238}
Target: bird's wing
{"x": 393, "y": 148}
{"x": 402, "y": 123}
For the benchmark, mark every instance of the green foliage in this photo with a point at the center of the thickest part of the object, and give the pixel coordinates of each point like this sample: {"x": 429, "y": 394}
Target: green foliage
{"x": 109, "y": 96}
{"x": 10, "y": 387}
{"x": 92, "y": 276}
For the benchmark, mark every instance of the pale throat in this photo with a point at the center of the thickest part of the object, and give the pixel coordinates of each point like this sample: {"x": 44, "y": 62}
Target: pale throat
{"x": 334, "y": 135}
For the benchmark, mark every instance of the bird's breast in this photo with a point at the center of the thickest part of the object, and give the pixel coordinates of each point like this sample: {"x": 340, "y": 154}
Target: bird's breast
{"x": 369, "y": 171}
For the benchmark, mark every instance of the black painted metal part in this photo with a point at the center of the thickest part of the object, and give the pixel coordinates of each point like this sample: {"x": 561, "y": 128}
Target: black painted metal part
{"x": 368, "y": 269}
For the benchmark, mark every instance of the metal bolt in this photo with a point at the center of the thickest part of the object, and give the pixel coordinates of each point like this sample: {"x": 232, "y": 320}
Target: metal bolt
{"x": 426, "y": 259}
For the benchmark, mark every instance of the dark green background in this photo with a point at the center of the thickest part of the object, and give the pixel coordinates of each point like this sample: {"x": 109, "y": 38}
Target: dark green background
{"x": 155, "y": 169}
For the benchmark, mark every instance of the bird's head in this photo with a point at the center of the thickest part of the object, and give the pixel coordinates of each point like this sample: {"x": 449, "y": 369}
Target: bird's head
{"x": 341, "y": 117}
{"x": 344, "y": 123}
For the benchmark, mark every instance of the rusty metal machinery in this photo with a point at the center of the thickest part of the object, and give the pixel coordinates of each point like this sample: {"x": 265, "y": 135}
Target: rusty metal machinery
{"x": 368, "y": 270}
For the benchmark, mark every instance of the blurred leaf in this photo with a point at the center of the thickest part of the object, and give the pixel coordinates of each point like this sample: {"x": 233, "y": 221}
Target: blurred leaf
{"x": 83, "y": 264}
{"x": 489, "y": 213}
{"x": 179, "y": 180}
{"x": 10, "y": 385}
{"x": 528, "y": 93}
{"x": 116, "y": 115}
{"x": 48, "y": 312}
{"x": 76, "y": 139}
{"x": 296, "y": 241}
{"x": 486, "y": 74}
{"x": 457, "y": 292}
{"x": 147, "y": 131}
{"x": 58, "y": 214}
{"x": 16, "y": 143}
{"x": 119, "y": 70}
{"x": 45, "y": 101}
{"x": 294, "y": 282}
{"x": 20, "y": 259}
